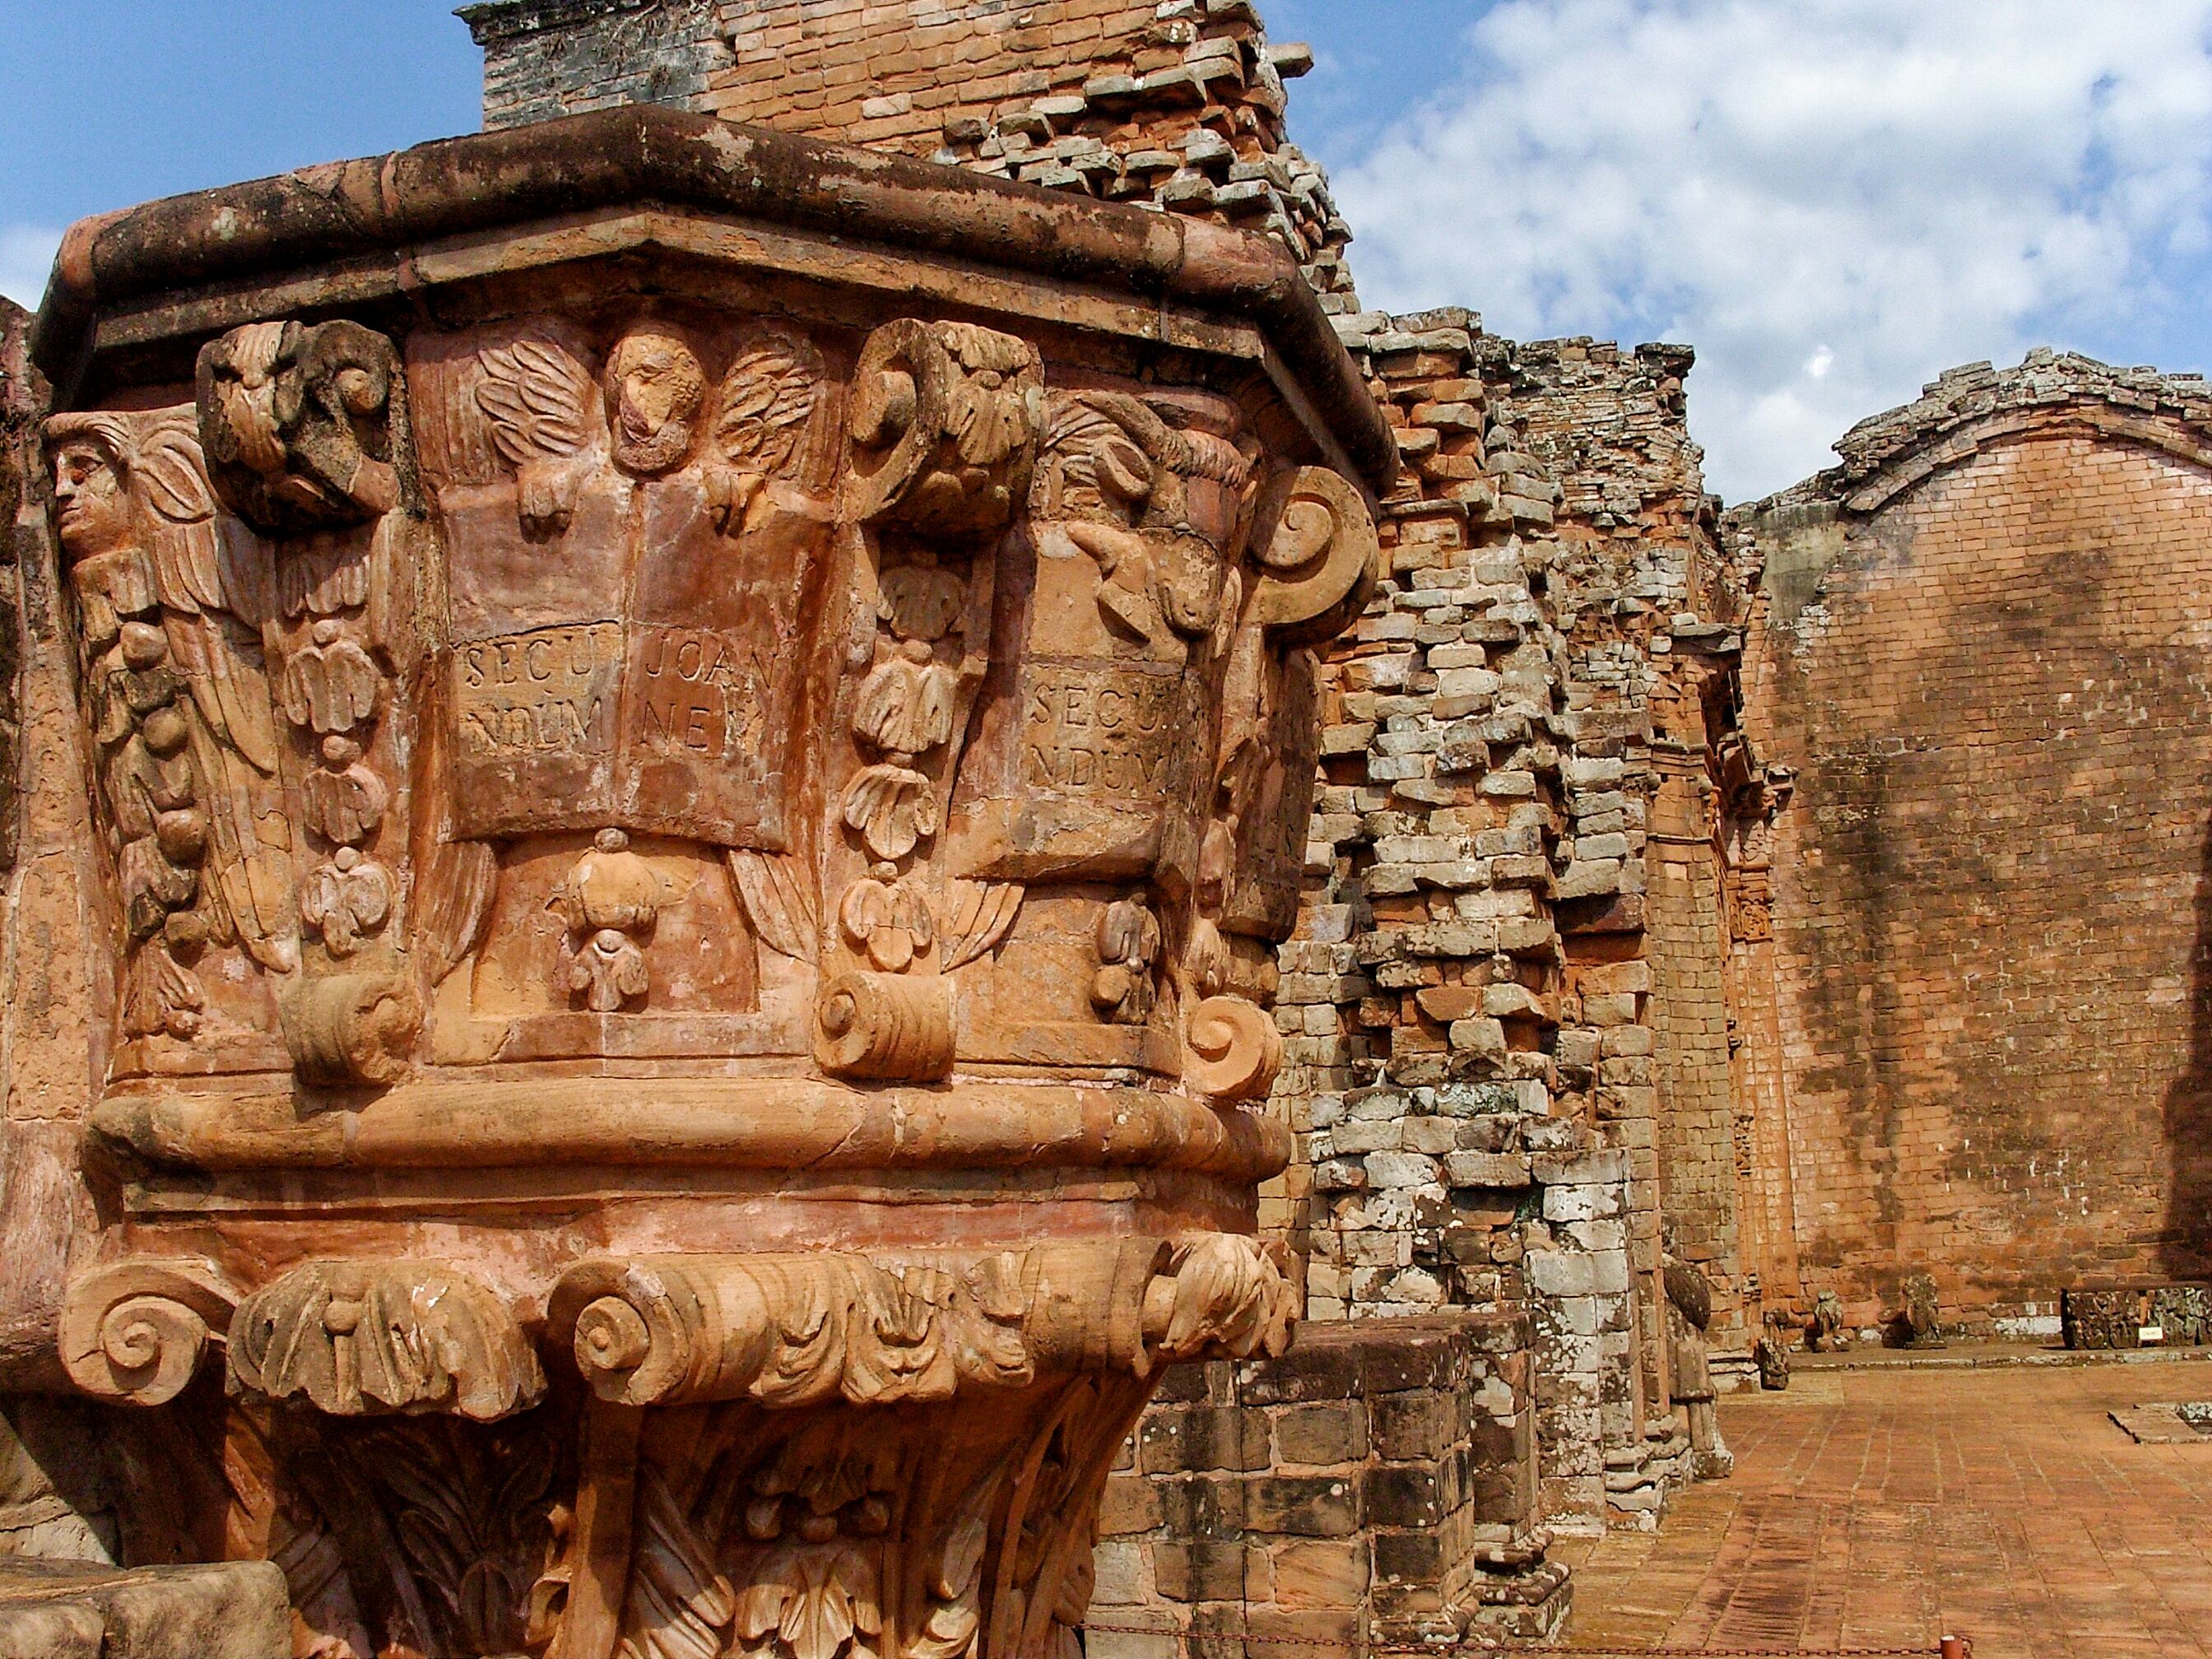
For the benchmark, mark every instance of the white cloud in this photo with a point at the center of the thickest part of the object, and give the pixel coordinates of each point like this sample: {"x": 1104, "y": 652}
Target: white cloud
{"x": 27, "y": 255}
{"x": 1833, "y": 200}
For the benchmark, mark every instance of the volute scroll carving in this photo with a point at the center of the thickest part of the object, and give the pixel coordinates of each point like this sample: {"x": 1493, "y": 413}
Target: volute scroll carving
{"x": 136, "y": 1332}
{"x": 945, "y": 420}
{"x": 791, "y": 1330}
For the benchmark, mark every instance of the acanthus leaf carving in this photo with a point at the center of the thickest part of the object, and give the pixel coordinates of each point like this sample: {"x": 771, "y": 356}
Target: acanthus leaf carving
{"x": 135, "y": 1331}
{"x": 1223, "y": 1295}
{"x": 789, "y": 1330}
{"x": 779, "y": 900}
{"x": 362, "y": 1338}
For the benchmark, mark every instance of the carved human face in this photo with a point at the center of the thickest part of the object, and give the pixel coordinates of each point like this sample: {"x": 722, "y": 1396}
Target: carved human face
{"x": 654, "y": 389}
{"x": 92, "y": 508}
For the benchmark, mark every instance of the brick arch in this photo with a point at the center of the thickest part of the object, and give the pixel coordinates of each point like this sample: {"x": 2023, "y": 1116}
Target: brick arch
{"x": 1992, "y": 892}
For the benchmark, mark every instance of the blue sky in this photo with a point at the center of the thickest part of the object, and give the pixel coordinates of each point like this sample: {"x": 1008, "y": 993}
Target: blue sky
{"x": 1833, "y": 199}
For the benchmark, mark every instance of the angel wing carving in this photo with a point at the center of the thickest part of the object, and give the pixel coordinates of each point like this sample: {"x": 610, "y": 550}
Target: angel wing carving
{"x": 778, "y": 901}
{"x": 211, "y": 579}
{"x": 762, "y": 417}
{"x": 537, "y": 398}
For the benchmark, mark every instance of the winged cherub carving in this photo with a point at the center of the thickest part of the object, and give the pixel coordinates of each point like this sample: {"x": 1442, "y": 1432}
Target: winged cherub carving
{"x": 537, "y": 396}
{"x": 169, "y": 600}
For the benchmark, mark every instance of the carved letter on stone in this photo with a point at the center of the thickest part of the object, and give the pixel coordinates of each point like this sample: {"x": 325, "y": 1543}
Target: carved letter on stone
{"x": 136, "y": 1332}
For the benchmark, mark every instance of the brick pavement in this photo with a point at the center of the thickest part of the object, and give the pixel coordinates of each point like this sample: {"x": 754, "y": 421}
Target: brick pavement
{"x": 1887, "y": 1508}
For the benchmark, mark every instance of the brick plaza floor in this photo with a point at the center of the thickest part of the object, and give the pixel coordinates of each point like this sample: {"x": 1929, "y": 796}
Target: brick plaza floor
{"x": 1884, "y": 1508}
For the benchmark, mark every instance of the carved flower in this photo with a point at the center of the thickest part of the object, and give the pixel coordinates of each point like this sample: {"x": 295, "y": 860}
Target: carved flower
{"x": 344, "y": 801}
{"x": 344, "y": 899}
{"x": 889, "y": 921}
{"x": 331, "y": 682}
{"x": 920, "y": 602}
{"x": 608, "y": 971}
{"x": 906, "y": 704}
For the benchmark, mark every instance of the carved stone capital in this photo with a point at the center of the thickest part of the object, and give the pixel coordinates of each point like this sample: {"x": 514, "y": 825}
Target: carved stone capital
{"x": 297, "y": 421}
{"x": 358, "y": 1339}
{"x": 795, "y": 1330}
{"x": 136, "y": 1332}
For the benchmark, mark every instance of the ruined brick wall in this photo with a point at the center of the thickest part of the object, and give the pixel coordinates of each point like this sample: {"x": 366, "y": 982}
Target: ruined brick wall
{"x": 1175, "y": 103}
{"x": 1985, "y": 654}
{"x": 1373, "y": 1486}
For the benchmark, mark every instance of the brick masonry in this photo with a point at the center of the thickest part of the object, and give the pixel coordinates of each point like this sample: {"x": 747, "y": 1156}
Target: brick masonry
{"x": 1982, "y": 646}
{"x": 1373, "y": 1487}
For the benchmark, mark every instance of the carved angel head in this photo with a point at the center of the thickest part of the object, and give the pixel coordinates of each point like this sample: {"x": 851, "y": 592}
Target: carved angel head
{"x": 654, "y": 389}
{"x": 105, "y": 470}
{"x": 91, "y": 505}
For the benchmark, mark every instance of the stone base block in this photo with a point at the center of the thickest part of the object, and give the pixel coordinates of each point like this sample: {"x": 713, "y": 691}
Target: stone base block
{"x": 62, "y": 1610}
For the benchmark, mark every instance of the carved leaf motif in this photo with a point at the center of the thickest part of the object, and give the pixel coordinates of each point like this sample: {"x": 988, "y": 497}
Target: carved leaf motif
{"x": 470, "y": 1513}
{"x": 768, "y": 396}
{"x": 1229, "y": 1294}
{"x": 811, "y": 1602}
{"x": 538, "y": 398}
{"x": 949, "y": 1629}
{"x": 778, "y": 901}
{"x": 982, "y": 911}
{"x": 454, "y": 896}
{"x": 892, "y": 807}
{"x": 679, "y": 1605}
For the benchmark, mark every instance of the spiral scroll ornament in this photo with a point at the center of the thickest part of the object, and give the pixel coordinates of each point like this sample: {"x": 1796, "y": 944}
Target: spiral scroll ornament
{"x": 136, "y": 1332}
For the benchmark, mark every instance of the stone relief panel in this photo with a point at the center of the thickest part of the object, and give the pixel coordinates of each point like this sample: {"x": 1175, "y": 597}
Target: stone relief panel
{"x": 670, "y": 684}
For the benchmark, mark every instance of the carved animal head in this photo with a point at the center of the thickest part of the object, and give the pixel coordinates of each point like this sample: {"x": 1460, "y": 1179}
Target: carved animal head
{"x": 654, "y": 390}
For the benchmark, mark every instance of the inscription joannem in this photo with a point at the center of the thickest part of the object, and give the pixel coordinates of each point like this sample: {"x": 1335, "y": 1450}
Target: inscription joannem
{"x": 593, "y": 724}
{"x": 1093, "y": 730}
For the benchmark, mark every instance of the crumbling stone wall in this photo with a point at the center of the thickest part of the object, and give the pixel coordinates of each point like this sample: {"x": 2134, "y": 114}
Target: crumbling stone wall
{"x": 1178, "y": 104}
{"x": 1371, "y": 1488}
{"x": 1982, "y": 645}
